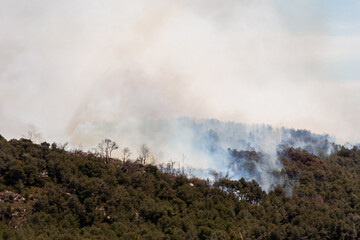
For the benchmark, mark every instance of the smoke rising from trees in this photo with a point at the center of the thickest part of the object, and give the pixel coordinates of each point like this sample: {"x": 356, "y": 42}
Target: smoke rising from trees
{"x": 75, "y": 69}
{"x": 211, "y": 146}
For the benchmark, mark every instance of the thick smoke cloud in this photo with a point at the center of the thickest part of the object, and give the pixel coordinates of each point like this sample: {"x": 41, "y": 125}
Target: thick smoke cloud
{"x": 68, "y": 66}
{"x": 66, "y": 63}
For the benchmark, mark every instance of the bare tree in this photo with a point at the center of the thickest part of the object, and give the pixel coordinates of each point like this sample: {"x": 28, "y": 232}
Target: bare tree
{"x": 110, "y": 146}
{"x": 125, "y": 154}
{"x": 32, "y": 134}
{"x": 106, "y": 147}
{"x": 101, "y": 148}
{"x": 162, "y": 167}
{"x": 144, "y": 153}
{"x": 62, "y": 146}
{"x": 28, "y": 135}
{"x": 170, "y": 167}
{"x": 77, "y": 150}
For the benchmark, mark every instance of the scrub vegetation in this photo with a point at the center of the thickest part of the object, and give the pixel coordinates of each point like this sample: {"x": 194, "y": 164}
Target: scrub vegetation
{"x": 47, "y": 192}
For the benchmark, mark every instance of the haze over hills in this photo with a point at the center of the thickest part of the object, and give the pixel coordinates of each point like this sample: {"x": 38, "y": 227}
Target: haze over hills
{"x": 204, "y": 146}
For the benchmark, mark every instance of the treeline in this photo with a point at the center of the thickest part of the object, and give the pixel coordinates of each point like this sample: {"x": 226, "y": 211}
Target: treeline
{"x": 49, "y": 193}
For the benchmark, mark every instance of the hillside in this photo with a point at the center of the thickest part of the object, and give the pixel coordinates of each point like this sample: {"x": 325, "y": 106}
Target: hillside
{"x": 49, "y": 193}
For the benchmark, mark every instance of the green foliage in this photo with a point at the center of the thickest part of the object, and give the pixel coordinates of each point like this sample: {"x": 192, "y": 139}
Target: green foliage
{"x": 48, "y": 193}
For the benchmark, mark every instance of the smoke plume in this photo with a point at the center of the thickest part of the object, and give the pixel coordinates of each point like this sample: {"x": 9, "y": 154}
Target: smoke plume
{"x": 81, "y": 71}
{"x": 210, "y": 146}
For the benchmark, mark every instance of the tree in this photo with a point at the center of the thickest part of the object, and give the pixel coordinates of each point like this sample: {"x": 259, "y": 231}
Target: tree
{"x": 144, "y": 153}
{"x": 106, "y": 147}
{"x": 110, "y": 146}
{"x": 101, "y": 148}
{"x": 77, "y": 150}
{"x": 62, "y": 146}
{"x": 32, "y": 134}
{"x": 125, "y": 154}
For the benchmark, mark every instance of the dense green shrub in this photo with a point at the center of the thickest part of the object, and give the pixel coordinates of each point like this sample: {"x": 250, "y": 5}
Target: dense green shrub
{"x": 50, "y": 193}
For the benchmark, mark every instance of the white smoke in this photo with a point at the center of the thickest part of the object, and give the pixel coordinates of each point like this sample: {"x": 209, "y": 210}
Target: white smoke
{"x": 83, "y": 70}
{"x": 207, "y": 144}
{"x": 65, "y": 64}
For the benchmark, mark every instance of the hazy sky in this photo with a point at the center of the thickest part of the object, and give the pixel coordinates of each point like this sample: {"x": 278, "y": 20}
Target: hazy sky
{"x": 67, "y": 64}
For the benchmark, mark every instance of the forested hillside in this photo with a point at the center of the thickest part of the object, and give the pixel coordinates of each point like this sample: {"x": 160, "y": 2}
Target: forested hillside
{"x": 49, "y": 193}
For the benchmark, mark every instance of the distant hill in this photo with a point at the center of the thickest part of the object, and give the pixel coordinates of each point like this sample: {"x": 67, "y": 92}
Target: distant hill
{"x": 49, "y": 193}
